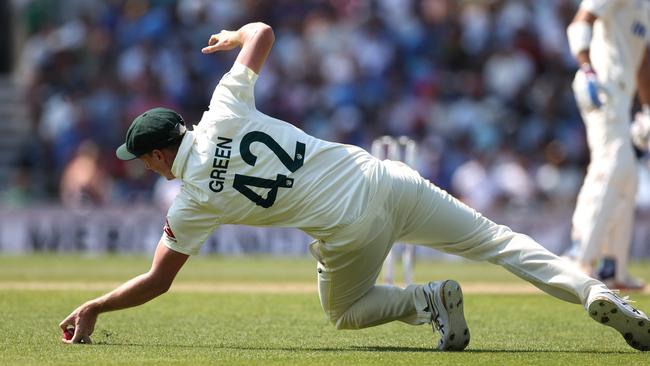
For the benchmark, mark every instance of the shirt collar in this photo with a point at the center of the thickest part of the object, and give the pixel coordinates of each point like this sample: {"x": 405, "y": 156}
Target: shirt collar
{"x": 178, "y": 167}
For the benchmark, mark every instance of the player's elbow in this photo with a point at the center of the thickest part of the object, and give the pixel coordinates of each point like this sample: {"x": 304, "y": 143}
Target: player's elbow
{"x": 164, "y": 287}
{"x": 159, "y": 284}
{"x": 265, "y": 32}
{"x": 262, "y": 27}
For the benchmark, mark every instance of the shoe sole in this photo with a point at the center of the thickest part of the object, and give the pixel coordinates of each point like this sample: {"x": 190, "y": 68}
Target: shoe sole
{"x": 635, "y": 330}
{"x": 451, "y": 298}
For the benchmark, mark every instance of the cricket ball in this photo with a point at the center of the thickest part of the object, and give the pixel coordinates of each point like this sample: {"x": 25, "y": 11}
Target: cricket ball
{"x": 68, "y": 334}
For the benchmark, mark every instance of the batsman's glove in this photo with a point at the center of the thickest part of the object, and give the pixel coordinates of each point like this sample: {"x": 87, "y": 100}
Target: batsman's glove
{"x": 588, "y": 91}
{"x": 640, "y": 129}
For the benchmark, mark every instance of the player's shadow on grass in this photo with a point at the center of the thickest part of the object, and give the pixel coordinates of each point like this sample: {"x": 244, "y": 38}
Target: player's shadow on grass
{"x": 471, "y": 350}
{"x": 392, "y": 349}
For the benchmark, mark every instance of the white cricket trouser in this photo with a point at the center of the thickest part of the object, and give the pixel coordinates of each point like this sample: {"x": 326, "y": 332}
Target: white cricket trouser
{"x": 604, "y": 214}
{"x": 410, "y": 209}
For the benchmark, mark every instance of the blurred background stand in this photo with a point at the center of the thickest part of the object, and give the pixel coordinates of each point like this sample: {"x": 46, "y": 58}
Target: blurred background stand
{"x": 483, "y": 88}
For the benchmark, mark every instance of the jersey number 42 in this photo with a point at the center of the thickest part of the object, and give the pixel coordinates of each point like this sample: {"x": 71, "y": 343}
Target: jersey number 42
{"x": 242, "y": 183}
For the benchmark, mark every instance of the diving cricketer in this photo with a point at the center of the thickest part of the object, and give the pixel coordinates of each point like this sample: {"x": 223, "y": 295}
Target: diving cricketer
{"x": 240, "y": 166}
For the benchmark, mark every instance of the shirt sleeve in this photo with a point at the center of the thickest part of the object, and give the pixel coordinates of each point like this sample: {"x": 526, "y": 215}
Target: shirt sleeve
{"x": 598, "y": 7}
{"x": 235, "y": 92}
{"x": 187, "y": 226}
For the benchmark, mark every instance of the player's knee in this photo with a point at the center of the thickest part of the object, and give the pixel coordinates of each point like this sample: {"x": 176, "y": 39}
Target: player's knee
{"x": 332, "y": 316}
{"x": 341, "y": 321}
{"x": 337, "y": 322}
{"x": 344, "y": 322}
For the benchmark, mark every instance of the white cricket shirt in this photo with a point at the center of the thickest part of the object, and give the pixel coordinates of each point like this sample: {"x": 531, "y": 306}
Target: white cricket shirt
{"x": 620, "y": 37}
{"x": 240, "y": 166}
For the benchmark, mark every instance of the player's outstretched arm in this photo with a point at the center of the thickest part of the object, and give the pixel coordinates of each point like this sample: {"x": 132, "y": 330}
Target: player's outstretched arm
{"x": 255, "y": 39}
{"x": 137, "y": 291}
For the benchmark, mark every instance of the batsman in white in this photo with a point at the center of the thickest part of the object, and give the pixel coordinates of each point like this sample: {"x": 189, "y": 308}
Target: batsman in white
{"x": 609, "y": 39}
{"x": 240, "y": 166}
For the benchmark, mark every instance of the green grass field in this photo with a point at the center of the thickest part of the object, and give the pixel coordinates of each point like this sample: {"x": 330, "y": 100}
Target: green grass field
{"x": 217, "y": 324}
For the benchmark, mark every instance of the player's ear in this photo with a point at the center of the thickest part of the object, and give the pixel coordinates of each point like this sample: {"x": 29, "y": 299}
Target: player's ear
{"x": 158, "y": 154}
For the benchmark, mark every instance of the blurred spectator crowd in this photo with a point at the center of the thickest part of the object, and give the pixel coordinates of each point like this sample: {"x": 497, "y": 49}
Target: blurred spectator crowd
{"x": 482, "y": 86}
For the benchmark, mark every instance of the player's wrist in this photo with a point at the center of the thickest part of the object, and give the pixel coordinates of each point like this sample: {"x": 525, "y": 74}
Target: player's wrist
{"x": 239, "y": 37}
{"x": 93, "y": 306}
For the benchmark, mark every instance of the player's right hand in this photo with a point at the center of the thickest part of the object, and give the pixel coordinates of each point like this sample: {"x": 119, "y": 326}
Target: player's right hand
{"x": 588, "y": 91}
{"x": 223, "y": 41}
{"x": 83, "y": 320}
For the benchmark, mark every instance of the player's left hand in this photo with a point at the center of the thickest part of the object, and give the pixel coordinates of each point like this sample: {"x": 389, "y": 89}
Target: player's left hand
{"x": 83, "y": 320}
{"x": 223, "y": 41}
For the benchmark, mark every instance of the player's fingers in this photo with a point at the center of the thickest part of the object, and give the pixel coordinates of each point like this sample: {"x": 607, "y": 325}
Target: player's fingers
{"x": 66, "y": 322}
{"x": 80, "y": 338}
{"x": 213, "y": 39}
{"x": 77, "y": 337}
{"x": 211, "y": 49}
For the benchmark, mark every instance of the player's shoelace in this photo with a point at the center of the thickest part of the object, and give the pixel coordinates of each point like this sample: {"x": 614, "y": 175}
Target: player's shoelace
{"x": 435, "y": 315}
{"x": 437, "y": 326}
{"x": 626, "y": 301}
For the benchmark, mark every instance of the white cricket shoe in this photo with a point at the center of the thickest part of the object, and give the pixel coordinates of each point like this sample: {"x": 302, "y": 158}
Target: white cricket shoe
{"x": 609, "y": 309}
{"x": 445, "y": 300}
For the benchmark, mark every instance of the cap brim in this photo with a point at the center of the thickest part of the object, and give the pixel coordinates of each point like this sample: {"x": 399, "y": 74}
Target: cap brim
{"x": 123, "y": 154}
